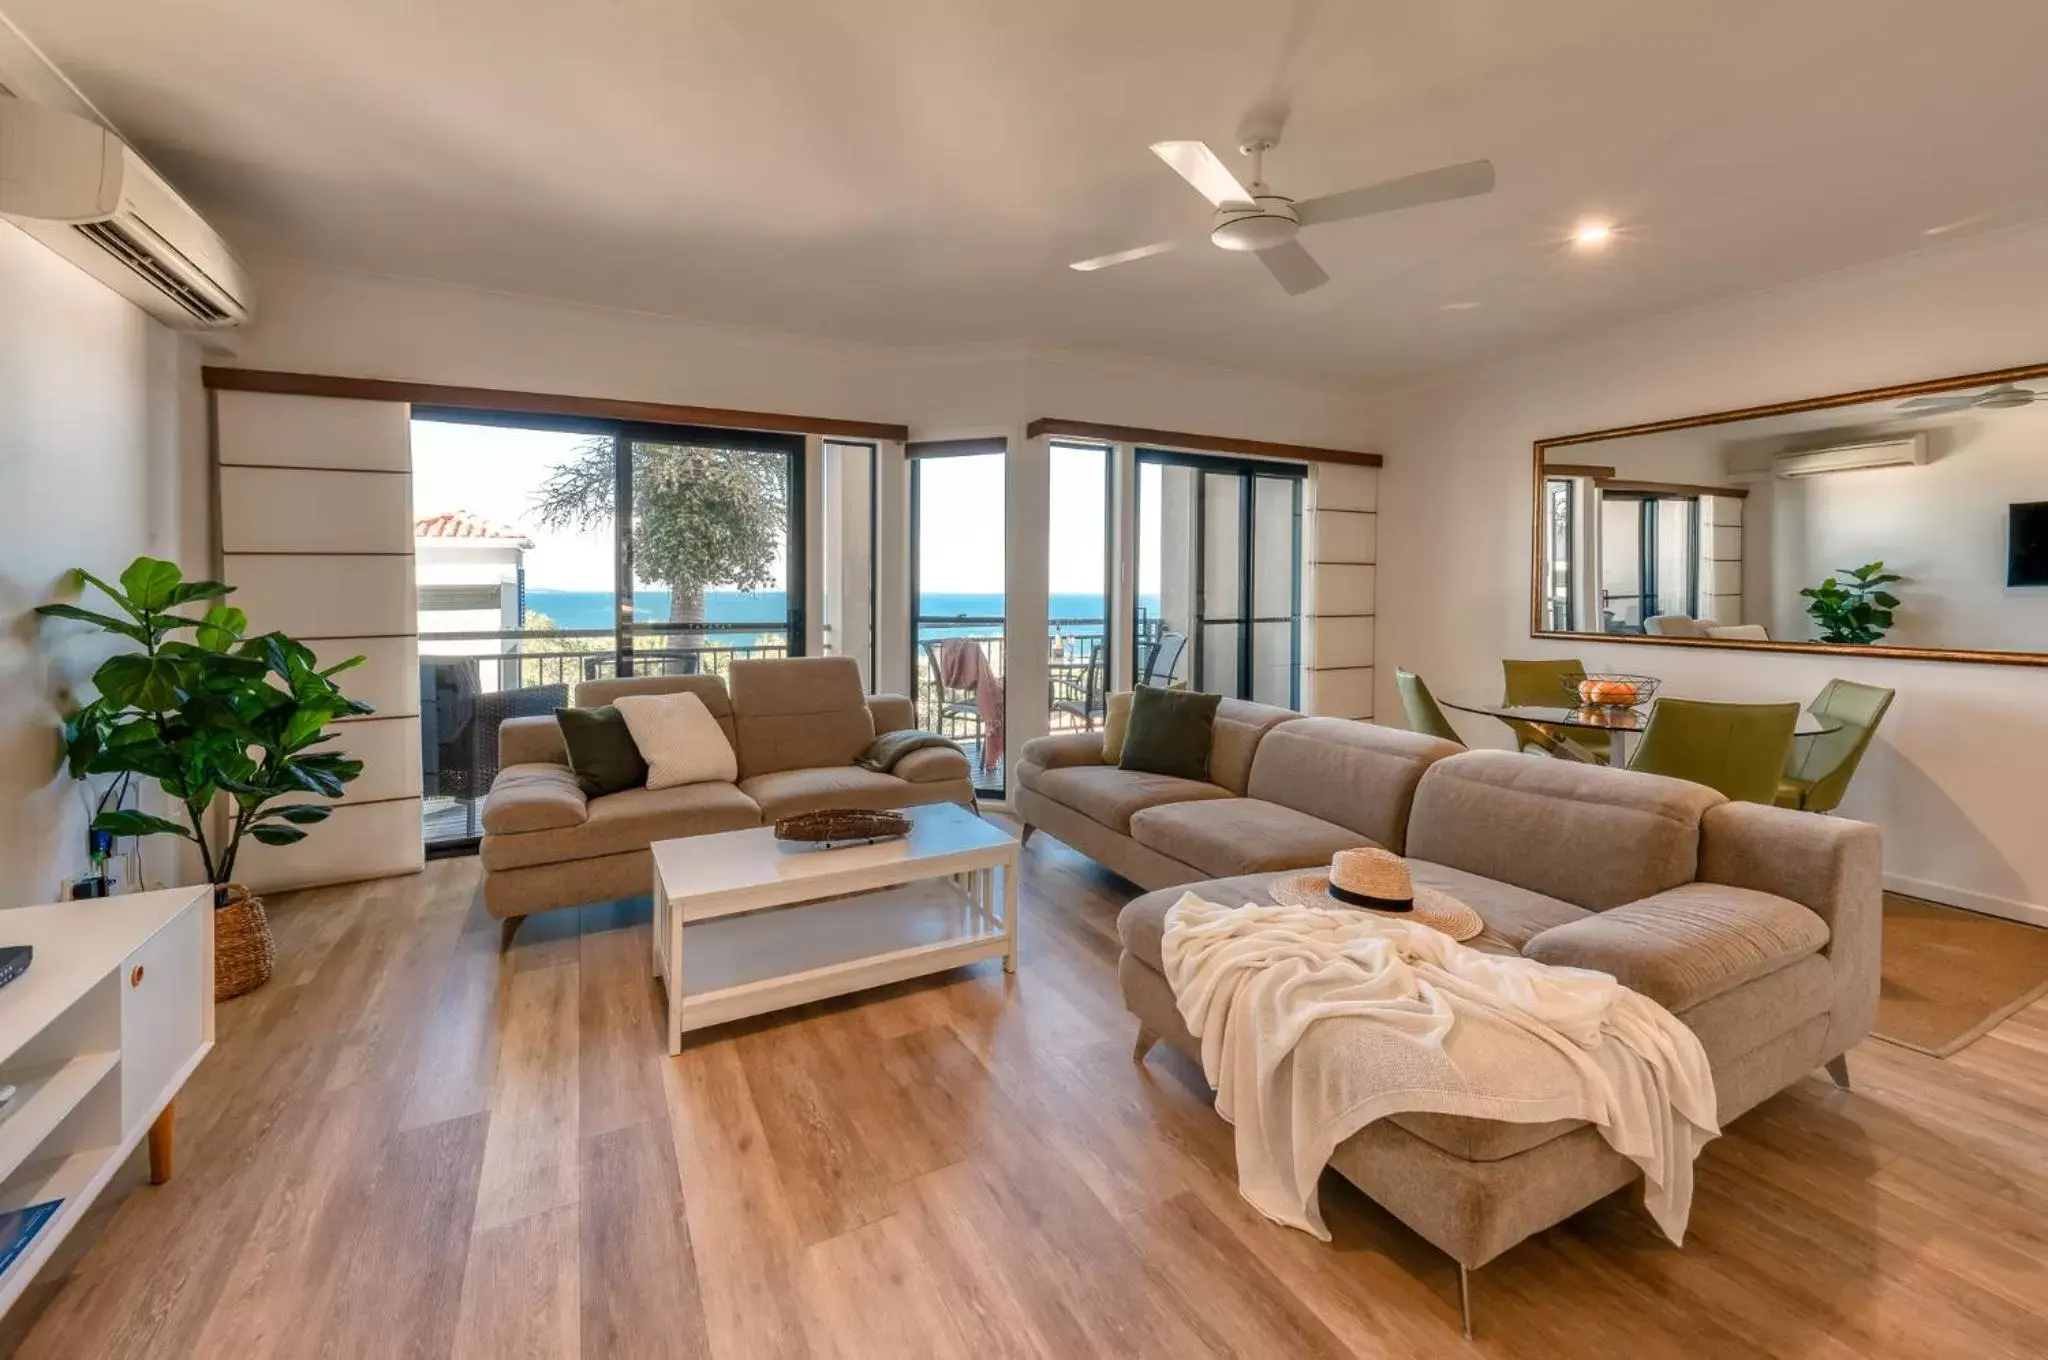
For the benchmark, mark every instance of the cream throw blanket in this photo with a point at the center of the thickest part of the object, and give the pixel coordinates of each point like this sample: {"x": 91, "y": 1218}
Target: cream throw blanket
{"x": 1316, "y": 1022}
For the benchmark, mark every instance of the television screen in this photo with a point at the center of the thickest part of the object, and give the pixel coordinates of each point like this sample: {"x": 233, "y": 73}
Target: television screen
{"x": 2026, "y": 552}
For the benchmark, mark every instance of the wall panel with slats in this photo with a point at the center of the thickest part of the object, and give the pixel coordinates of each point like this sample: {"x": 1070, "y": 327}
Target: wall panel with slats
{"x": 316, "y": 534}
{"x": 1339, "y": 588}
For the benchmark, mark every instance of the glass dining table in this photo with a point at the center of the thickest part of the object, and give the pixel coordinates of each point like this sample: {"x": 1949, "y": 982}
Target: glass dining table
{"x": 1616, "y": 724}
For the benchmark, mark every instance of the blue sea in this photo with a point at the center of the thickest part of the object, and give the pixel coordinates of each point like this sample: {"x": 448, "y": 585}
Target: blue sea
{"x": 766, "y": 610}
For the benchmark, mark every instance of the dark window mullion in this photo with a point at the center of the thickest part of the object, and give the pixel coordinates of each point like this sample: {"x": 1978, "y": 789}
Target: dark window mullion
{"x": 622, "y": 566}
{"x": 1247, "y": 552}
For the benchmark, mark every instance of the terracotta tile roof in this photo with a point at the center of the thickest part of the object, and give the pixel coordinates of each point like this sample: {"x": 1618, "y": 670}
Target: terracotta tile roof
{"x": 463, "y": 524}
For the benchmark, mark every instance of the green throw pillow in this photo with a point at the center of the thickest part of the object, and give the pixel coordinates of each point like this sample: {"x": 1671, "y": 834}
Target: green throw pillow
{"x": 1169, "y": 732}
{"x": 602, "y": 755}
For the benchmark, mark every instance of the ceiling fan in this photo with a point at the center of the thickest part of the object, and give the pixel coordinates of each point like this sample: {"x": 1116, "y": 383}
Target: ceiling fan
{"x": 1264, "y": 223}
{"x": 2003, "y": 397}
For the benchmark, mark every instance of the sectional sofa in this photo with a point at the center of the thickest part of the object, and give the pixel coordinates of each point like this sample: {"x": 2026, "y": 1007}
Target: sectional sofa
{"x": 1758, "y": 927}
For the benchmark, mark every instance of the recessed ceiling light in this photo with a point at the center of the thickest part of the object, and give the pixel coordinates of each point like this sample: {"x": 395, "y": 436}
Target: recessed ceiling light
{"x": 1592, "y": 235}
{"x": 1957, "y": 225}
{"x": 1460, "y": 307}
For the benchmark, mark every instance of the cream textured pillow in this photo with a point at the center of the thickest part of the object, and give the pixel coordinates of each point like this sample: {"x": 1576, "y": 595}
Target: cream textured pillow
{"x": 678, "y": 738}
{"x": 1116, "y": 720}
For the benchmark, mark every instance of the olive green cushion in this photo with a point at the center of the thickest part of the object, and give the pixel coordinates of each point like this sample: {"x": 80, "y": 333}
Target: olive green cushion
{"x": 602, "y": 755}
{"x": 1169, "y": 732}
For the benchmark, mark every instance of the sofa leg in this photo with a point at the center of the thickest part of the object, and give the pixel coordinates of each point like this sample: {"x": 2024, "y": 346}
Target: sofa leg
{"x": 507, "y": 928}
{"x": 1465, "y": 1302}
{"x": 1025, "y": 839}
{"x": 1838, "y": 1071}
{"x": 1146, "y": 1038}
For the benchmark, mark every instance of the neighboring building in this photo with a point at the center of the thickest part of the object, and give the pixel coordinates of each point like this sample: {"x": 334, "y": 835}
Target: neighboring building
{"x": 471, "y": 580}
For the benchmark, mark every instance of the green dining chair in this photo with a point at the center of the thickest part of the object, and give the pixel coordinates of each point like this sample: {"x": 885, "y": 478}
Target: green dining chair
{"x": 1816, "y": 778}
{"x": 1542, "y": 683}
{"x": 1425, "y": 715}
{"x": 1736, "y": 749}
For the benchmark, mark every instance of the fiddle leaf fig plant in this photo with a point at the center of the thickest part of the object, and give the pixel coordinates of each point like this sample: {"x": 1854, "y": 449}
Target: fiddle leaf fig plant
{"x": 208, "y": 713}
{"x": 1856, "y": 608}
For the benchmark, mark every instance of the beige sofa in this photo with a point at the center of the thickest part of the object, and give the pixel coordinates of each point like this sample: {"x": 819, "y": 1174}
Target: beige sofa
{"x": 1284, "y": 792}
{"x": 796, "y": 725}
{"x": 1757, "y": 926}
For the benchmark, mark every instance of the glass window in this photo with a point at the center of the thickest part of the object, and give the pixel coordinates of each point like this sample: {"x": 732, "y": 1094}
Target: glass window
{"x": 1077, "y": 579}
{"x": 957, "y": 582}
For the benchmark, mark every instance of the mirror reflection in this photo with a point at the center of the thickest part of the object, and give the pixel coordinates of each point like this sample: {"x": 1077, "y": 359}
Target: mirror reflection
{"x": 1919, "y": 522}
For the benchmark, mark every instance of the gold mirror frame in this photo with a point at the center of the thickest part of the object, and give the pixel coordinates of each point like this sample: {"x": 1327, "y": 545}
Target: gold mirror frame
{"x": 1918, "y": 389}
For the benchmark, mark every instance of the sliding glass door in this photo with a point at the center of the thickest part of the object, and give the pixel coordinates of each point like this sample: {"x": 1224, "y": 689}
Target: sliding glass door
{"x": 1078, "y": 645}
{"x": 1219, "y": 576}
{"x": 527, "y": 587}
{"x": 1649, "y": 558}
{"x": 957, "y": 593}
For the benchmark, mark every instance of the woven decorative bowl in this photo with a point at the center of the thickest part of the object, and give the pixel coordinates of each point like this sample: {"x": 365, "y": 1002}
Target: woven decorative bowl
{"x": 243, "y": 952}
{"x": 1612, "y": 690}
{"x": 842, "y": 826}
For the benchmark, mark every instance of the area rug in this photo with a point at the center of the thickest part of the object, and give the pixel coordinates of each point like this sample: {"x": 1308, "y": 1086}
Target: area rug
{"x": 1950, "y": 975}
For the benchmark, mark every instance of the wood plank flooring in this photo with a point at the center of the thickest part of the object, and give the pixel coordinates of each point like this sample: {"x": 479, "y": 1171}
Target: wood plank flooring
{"x": 408, "y": 1145}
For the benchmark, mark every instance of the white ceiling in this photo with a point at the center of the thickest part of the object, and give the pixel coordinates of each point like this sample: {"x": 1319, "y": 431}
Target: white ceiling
{"x": 920, "y": 171}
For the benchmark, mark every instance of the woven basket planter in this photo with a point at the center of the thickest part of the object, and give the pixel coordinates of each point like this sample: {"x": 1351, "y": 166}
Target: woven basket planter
{"x": 243, "y": 952}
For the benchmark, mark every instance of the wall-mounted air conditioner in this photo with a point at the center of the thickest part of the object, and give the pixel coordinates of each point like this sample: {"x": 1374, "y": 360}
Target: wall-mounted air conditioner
{"x": 84, "y": 192}
{"x": 1880, "y": 453}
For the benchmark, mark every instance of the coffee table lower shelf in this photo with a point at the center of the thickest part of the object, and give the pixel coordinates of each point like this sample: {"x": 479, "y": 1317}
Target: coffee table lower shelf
{"x": 739, "y": 966}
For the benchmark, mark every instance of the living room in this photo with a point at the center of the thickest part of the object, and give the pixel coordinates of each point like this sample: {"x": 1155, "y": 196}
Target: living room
{"x": 998, "y": 446}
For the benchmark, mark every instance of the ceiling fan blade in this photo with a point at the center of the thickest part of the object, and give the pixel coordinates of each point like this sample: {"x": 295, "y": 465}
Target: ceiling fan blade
{"x": 1203, "y": 168}
{"x": 1410, "y": 191}
{"x": 1934, "y": 406}
{"x": 1294, "y": 268}
{"x": 1123, "y": 256}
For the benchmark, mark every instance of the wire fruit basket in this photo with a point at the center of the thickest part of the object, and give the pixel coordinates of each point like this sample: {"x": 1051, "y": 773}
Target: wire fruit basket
{"x": 1611, "y": 690}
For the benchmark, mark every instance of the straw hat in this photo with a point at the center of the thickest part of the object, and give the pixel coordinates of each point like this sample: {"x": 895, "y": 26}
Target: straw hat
{"x": 1377, "y": 881}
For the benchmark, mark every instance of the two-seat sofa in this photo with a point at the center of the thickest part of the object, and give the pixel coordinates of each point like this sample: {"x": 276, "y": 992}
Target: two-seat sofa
{"x": 796, "y": 725}
{"x": 1758, "y": 927}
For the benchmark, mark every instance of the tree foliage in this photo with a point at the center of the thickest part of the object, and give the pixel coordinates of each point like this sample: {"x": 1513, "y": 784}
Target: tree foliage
{"x": 222, "y": 714}
{"x": 701, "y": 516}
{"x": 1857, "y": 609}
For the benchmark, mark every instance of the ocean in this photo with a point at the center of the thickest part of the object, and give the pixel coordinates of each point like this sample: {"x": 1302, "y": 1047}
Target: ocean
{"x": 766, "y": 610}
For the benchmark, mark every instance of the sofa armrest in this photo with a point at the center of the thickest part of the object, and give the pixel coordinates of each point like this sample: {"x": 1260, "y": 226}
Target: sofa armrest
{"x": 534, "y": 797}
{"x": 535, "y": 740}
{"x": 1833, "y": 867}
{"x": 1688, "y": 944}
{"x": 1062, "y": 749}
{"x": 892, "y": 713}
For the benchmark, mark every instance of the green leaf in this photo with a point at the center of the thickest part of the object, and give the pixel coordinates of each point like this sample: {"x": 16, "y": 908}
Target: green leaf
{"x": 299, "y": 814}
{"x": 136, "y": 681}
{"x": 222, "y": 628}
{"x": 150, "y": 583}
{"x": 126, "y": 605}
{"x": 129, "y": 822}
{"x": 197, "y": 590}
{"x": 338, "y": 668}
{"x": 106, "y": 621}
{"x": 1886, "y": 598}
{"x": 272, "y": 834}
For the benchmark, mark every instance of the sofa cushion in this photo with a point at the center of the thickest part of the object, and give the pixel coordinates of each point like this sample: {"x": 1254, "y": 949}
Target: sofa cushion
{"x": 785, "y": 793}
{"x": 603, "y": 754}
{"x": 1358, "y": 775}
{"x": 1227, "y": 836}
{"x": 681, "y": 741}
{"x": 798, "y": 713}
{"x": 625, "y": 821}
{"x": 1170, "y": 732}
{"x": 1241, "y": 728}
{"x": 1116, "y": 724}
{"x": 932, "y": 764}
{"x": 1062, "y": 748}
{"x": 1109, "y": 795}
{"x": 709, "y": 688}
{"x": 1513, "y": 916}
{"x": 536, "y": 797}
{"x": 1584, "y": 834}
{"x": 1141, "y": 925}
{"x": 1689, "y": 944}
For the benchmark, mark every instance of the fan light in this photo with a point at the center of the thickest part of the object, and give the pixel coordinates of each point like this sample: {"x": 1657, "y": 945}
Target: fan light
{"x": 1592, "y": 235}
{"x": 1244, "y": 227}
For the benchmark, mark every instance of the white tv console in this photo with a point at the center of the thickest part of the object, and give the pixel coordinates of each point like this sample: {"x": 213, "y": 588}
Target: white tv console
{"x": 112, "y": 1016}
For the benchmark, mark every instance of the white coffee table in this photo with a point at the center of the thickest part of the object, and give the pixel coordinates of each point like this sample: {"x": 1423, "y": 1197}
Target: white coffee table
{"x": 745, "y": 924}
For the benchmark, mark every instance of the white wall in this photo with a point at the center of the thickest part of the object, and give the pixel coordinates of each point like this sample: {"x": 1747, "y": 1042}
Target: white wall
{"x": 1954, "y": 778}
{"x": 95, "y": 399}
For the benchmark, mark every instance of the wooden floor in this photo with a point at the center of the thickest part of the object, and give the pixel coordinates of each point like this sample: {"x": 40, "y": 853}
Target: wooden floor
{"x": 407, "y": 1145}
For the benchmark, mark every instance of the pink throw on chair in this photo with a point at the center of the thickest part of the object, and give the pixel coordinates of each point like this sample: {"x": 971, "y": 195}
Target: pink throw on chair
{"x": 963, "y": 665}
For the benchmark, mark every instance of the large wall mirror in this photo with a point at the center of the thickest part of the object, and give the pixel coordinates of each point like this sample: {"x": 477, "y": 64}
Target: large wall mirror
{"x": 1908, "y": 521}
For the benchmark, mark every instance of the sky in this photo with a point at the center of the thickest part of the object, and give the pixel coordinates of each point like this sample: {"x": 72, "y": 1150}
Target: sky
{"x": 495, "y": 472}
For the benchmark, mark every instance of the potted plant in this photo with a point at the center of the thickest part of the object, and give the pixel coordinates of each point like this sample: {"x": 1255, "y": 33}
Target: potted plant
{"x": 1856, "y": 609}
{"x": 221, "y": 716}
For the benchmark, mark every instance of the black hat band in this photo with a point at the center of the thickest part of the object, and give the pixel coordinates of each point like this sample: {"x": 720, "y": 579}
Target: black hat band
{"x": 1355, "y": 899}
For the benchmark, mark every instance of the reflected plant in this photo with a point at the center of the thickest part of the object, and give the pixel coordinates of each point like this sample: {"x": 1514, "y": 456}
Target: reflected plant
{"x": 1855, "y": 608}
